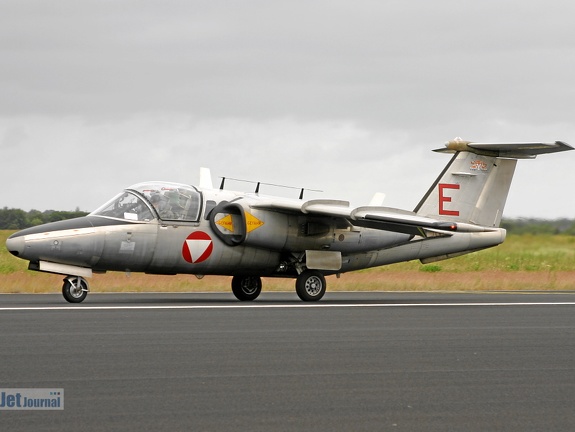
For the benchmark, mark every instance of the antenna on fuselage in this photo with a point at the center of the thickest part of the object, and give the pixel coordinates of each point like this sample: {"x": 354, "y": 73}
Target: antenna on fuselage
{"x": 206, "y": 178}
{"x": 258, "y": 184}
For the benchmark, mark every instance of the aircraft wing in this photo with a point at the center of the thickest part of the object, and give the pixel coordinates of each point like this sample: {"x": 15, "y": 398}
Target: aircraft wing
{"x": 382, "y": 218}
{"x": 335, "y": 208}
{"x": 395, "y": 220}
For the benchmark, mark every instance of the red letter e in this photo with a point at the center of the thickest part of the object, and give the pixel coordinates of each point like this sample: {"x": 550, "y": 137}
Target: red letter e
{"x": 443, "y": 199}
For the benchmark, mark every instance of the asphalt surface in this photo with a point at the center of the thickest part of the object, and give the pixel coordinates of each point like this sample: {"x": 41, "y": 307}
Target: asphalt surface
{"x": 354, "y": 361}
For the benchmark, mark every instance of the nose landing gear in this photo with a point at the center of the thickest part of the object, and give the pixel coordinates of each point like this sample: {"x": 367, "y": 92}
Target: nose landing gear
{"x": 75, "y": 289}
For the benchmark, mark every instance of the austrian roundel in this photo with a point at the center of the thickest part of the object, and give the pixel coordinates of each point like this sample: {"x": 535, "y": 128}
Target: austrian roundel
{"x": 197, "y": 247}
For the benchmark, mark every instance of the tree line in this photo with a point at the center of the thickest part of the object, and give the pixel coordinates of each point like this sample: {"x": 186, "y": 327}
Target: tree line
{"x": 15, "y": 219}
{"x": 539, "y": 226}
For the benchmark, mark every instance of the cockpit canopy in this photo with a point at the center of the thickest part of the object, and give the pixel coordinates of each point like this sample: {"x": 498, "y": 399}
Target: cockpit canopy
{"x": 154, "y": 200}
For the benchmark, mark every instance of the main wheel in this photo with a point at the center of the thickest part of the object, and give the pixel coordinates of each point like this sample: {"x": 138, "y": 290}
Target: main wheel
{"x": 246, "y": 288}
{"x": 75, "y": 289}
{"x": 310, "y": 285}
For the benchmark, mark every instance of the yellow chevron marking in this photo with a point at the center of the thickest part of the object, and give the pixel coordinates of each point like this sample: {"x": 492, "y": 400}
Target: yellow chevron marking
{"x": 226, "y": 222}
{"x": 252, "y": 222}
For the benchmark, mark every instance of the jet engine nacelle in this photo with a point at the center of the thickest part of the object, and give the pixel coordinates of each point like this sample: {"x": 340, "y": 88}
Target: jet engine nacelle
{"x": 237, "y": 225}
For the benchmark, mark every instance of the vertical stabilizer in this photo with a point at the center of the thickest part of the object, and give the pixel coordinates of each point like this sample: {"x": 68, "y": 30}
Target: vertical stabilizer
{"x": 473, "y": 187}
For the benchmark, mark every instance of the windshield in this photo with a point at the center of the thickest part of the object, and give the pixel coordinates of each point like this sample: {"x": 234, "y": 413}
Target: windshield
{"x": 126, "y": 206}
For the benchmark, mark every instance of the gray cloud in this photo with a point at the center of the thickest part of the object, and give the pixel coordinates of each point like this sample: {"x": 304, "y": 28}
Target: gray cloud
{"x": 348, "y": 95}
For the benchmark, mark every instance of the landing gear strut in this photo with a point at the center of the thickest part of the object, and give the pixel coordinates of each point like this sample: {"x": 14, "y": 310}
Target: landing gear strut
{"x": 75, "y": 289}
{"x": 246, "y": 288}
{"x": 310, "y": 285}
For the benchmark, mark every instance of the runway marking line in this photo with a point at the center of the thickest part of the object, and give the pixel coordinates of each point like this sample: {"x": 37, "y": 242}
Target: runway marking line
{"x": 280, "y": 306}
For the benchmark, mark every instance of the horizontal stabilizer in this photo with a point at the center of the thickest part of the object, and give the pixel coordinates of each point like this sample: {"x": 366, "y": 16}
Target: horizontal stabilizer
{"x": 526, "y": 150}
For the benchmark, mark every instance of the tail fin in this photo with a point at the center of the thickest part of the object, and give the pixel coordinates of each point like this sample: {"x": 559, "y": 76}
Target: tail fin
{"x": 474, "y": 185}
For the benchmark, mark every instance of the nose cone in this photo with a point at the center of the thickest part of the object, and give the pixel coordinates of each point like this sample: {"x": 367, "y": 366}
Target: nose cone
{"x": 15, "y": 244}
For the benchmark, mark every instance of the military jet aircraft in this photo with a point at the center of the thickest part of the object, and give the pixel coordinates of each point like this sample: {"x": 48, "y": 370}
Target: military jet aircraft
{"x": 168, "y": 228}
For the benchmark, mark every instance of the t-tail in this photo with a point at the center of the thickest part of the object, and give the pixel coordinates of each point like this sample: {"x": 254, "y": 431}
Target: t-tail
{"x": 474, "y": 185}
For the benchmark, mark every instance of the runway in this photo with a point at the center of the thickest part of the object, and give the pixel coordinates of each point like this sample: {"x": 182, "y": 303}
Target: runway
{"x": 354, "y": 361}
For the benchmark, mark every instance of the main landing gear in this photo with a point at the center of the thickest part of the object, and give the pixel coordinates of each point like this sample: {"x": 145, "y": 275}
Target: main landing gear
{"x": 310, "y": 286}
{"x": 246, "y": 288}
{"x": 75, "y": 289}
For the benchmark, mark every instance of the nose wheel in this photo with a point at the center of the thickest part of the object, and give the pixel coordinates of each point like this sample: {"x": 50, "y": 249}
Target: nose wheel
{"x": 75, "y": 289}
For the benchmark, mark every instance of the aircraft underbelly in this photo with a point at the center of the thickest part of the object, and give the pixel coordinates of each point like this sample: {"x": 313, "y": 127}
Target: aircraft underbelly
{"x": 423, "y": 249}
{"x": 226, "y": 261}
{"x": 238, "y": 260}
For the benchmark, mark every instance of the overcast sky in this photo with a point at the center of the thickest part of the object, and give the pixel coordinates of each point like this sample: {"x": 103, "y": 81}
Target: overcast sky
{"x": 349, "y": 97}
